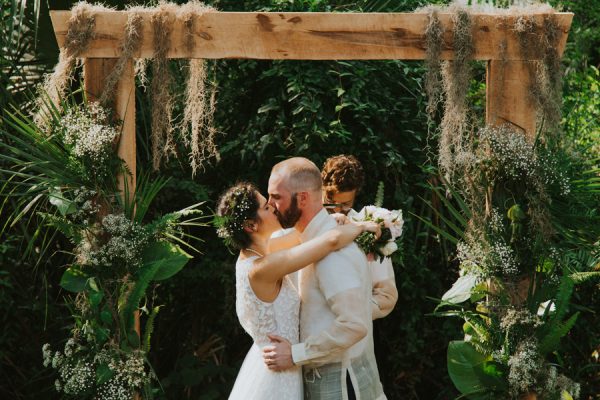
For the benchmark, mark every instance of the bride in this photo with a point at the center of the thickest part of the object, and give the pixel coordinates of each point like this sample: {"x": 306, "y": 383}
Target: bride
{"x": 267, "y": 303}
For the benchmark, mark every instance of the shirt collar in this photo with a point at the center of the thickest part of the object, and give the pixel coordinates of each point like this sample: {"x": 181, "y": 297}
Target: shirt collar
{"x": 315, "y": 224}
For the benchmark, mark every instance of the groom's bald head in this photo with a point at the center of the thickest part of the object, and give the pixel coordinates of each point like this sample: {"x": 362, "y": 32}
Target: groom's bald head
{"x": 298, "y": 174}
{"x": 295, "y": 192}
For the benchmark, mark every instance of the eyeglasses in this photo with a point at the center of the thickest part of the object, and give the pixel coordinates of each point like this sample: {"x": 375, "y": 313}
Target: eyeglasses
{"x": 344, "y": 207}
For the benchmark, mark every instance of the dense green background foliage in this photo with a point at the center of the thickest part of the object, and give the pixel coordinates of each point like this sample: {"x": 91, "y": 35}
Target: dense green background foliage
{"x": 268, "y": 111}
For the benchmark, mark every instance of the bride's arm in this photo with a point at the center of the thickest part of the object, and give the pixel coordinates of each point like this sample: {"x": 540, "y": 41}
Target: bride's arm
{"x": 272, "y": 267}
{"x": 286, "y": 241}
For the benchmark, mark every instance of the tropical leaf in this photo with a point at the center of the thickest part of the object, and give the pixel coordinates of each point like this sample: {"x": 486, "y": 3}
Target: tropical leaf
{"x": 461, "y": 289}
{"x": 74, "y": 280}
{"x": 103, "y": 373}
{"x": 165, "y": 258}
{"x": 466, "y": 370}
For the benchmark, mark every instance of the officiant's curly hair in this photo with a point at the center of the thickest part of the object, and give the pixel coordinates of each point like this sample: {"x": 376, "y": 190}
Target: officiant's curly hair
{"x": 342, "y": 173}
{"x": 237, "y": 205}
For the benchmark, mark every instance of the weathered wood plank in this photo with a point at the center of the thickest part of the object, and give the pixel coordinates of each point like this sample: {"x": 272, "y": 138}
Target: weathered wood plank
{"x": 310, "y": 36}
{"x": 508, "y": 99}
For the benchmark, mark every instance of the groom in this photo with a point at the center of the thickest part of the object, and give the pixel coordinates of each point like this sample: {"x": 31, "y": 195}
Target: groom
{"x": 336, "y": 330}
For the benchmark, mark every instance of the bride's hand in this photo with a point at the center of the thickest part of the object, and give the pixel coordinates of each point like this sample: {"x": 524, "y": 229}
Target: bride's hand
{"x": 341, "y": 219}
{"x": 371, "y": 226}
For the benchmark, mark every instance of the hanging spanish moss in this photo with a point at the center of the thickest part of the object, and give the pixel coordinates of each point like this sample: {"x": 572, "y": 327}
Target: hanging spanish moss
{"x": 548, "y": 82}
{"x": 545, "y": 81}
{"x": 80, "y": 32}
{"x": 131, "y": 45}
{"x": 200, "y": 95}
{"x": 160, "y": 88}
{"x": 457, "y": 74}
{"x": 140, "y": 67}
{"x": 434, "y": 41}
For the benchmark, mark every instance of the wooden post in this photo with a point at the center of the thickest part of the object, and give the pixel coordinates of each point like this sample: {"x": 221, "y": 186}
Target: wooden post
{"x": 508, "y": 99}
{"x": 95, "y": 71}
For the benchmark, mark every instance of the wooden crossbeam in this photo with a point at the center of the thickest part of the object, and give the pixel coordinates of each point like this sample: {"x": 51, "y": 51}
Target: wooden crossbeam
{"x": 312, "y": 36}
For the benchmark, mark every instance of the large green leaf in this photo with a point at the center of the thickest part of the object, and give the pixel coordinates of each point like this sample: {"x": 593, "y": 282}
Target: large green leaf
{"x": 461, "y": 289}
{"x": 468, "y": 371}
{"x": 169, "y": 257}
{"x": 103, "y": 373}
{"x": 64, "y": 205}
{"x": 74, "y": 280}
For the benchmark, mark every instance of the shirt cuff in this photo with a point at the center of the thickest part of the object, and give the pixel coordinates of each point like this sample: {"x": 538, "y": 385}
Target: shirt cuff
{"x": 299, "y": 353}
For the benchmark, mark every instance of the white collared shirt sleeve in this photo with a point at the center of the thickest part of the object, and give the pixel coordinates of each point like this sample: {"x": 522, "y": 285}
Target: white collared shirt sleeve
{"x": 385, "y": 293}
{"x": 340, "y": 282}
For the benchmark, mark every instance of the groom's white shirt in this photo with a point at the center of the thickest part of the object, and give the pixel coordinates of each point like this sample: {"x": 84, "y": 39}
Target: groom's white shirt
{"x": 335, "y": 313}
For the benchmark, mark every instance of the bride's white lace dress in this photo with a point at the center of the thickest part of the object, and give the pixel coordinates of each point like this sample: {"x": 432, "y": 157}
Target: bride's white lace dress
{"x": 255, "y": 381}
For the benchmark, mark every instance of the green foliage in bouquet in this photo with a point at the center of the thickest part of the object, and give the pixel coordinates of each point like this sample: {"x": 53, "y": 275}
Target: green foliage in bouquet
{"x": 391, "y": 224}
{"x": 66, "y": 178}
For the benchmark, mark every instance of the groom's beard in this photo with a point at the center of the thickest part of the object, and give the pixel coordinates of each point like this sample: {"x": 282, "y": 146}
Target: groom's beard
{"x": 288, "y": 218}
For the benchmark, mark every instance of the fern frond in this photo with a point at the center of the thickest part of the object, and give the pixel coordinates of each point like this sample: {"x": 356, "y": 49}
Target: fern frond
{"x": 379, "y": 196}
{"x": 144, "y": 278}
{"x": 581, "y": 277}
{"x": 150, "y": 328}
{"x": 563, "y": 297}
{"x": 550, "y": 342}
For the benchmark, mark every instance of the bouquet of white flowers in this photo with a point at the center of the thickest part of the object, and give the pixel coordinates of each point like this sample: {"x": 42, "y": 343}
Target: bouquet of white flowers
{"x": 391, "y": 228}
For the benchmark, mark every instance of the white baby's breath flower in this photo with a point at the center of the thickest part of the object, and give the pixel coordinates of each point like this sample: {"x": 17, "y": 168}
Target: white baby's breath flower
{"x": 525, "y": 365}
{"x": 88, "y": 132}
{"x": 47, "y": 354}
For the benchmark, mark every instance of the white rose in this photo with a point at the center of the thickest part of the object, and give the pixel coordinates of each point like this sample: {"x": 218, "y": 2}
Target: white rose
{"x": 361, "y": 215}
{"x": 381, "y": 213}
{"x": 369, "y": 211}
{"x": 389, "y": 248}
{"x": 396, "y": 229}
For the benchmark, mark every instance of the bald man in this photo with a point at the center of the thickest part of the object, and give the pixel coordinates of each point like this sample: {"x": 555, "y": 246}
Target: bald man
{"x": 336, "y": 329}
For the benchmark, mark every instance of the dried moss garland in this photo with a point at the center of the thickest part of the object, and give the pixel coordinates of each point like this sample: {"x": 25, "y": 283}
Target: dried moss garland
{"x": 160, "y": 87}
{"x": 200, "y": 96}
{"x": 434, "y": 40}
{"x": 80, "y": 32}
{"x": 457, "y": 76}
{"x": 548, "y": 80}
{"x": 545, "y": 75}
{"x": 131, "y": 45}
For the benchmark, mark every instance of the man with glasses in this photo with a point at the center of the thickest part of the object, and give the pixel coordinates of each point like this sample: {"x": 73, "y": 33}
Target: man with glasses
{"x": 343, "y": 178}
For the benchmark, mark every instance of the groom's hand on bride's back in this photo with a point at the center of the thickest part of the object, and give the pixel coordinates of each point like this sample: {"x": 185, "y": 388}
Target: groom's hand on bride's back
{"x": 278, "y": 356}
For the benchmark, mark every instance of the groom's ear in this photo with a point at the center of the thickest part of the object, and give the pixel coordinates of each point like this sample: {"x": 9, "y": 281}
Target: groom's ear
{"x": 302, "y": 199}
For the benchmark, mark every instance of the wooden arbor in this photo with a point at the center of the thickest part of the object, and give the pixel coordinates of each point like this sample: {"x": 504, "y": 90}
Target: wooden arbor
{"x": 318, "y": 36}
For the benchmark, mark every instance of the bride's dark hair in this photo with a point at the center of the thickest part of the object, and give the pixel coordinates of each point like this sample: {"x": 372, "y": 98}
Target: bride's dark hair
{"x": 237, "y": 205}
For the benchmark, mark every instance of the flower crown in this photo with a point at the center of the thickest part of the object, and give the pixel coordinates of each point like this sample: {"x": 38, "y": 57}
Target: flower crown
{"x": 239, "y": 211}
